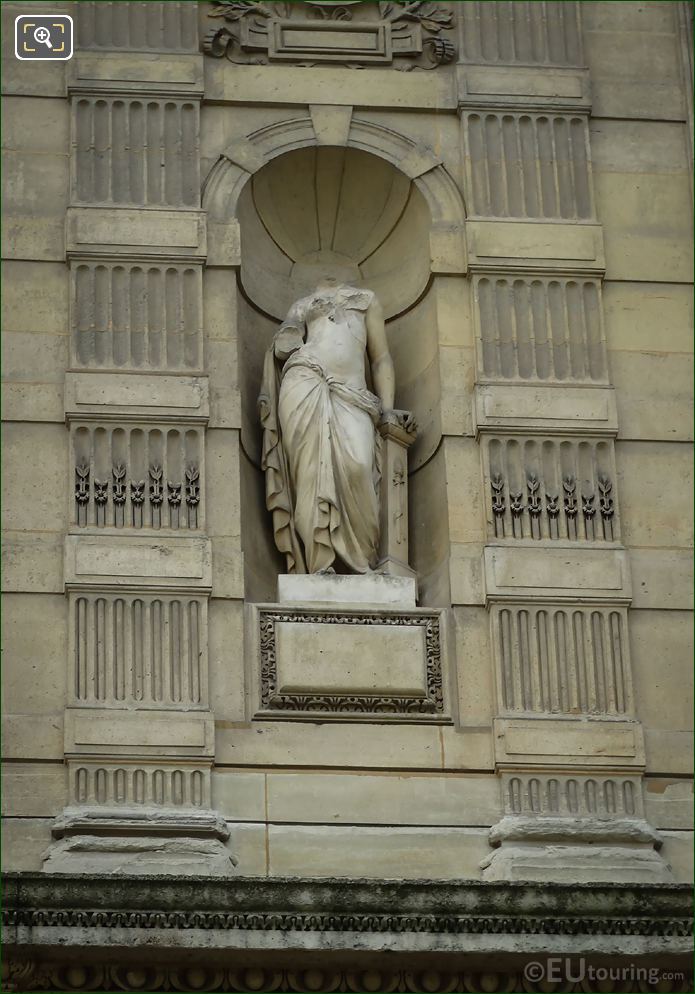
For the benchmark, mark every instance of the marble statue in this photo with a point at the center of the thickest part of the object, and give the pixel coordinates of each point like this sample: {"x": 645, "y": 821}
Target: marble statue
{"x": 321, "y": 446}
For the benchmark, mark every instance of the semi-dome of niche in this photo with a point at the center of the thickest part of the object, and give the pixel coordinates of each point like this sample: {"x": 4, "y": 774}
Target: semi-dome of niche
{"x": 319, "y": 210}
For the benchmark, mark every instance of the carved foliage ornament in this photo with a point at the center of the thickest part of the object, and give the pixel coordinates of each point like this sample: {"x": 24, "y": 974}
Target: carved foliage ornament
{"x": 405, "y": 34}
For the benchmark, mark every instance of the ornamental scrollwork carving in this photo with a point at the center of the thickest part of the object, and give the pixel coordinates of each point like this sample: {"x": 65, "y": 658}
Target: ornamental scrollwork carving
{"x": 403, "y": 34}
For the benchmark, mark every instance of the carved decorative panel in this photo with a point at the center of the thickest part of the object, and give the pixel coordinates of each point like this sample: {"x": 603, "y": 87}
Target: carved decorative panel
{"x": 136, "y": 151}
{"x": 138, "y": 650}
{"x": 552, "y": 488}
{"x": 396, "y": 668}
{"x": 150, "y": 27}
{"x": 156, "y": 784}
{"x": 528, "y": 165}
{"x": 562, "y": 660}
{"x": 353, "y": 33}
{"x": 539, "y": 329}
{"x": 137, "y": 476}
{"x": 577, "y": 795}
{"x": 516, "y": 33}
{"x": 136, "y": 316}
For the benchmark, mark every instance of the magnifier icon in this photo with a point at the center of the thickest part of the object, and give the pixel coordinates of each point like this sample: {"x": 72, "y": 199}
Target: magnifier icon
{"x": 43, "y": 36}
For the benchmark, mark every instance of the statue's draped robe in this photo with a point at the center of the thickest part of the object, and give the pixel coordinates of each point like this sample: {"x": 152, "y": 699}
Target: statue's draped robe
{"x": 321, "y": 451}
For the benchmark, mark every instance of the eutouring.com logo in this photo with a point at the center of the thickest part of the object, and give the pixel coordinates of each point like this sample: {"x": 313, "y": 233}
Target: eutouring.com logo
{"x": 43, "y": 37}
{"x": 563, "y": 970}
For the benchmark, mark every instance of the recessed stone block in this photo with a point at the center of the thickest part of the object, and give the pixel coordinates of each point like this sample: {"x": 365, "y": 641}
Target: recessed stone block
{"x": 87, "y": 393}
{"x": 142, "y": 71}
{"x": 125, "y": 231}
{"x": 123, "y": 733}
{"x": 561, "y": 573}
{"x": 522, "y": 86}
{"x": 535, "y": 246}
{"x": 570, "y": 741}
{"x": 123, "y": 560}
{"x": 547, "y": 409}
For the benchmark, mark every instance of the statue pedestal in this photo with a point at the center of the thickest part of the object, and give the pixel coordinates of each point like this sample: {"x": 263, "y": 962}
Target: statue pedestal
{"x": 372, "y": 589}
{"x": 349, "y": 648}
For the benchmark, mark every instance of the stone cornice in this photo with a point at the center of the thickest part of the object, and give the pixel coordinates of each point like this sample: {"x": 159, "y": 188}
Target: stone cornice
{"x": 339, "y": 905}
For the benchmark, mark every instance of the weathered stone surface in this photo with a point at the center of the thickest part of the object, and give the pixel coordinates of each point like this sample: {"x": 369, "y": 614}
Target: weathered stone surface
{"x": 528, "y": 368}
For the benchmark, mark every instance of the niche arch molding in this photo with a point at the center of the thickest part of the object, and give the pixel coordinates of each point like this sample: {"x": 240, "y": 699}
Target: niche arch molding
{"x": 336, "y": 127}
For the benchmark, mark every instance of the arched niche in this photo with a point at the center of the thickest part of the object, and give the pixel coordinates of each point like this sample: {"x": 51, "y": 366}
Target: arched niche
{"x": 321, "y": 207}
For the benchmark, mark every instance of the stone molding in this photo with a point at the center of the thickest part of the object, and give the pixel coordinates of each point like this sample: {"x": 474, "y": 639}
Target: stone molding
{"x": 321, "y": 976}
{"x": 333, "y": 905}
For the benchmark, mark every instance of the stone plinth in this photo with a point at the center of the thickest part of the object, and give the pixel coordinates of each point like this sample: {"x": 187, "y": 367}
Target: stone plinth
{"x": 581, "y": 850}
{"x": 186, "y": 842}
{"x": 377, "y": 590}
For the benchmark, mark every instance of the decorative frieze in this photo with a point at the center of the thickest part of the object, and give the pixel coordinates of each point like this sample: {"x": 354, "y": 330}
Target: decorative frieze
{"x": 136, "y": 316}
{"x": 539, "y": 329}
{"x": 528, "y": 165}
{"x": 136, "y": 151}
{"x": 149, "y": 785}
{"x": 551, "y": 489}
{"x": 541, "y": 34}
{"x": 26, "y": 974}
{"x": 577, "y": 795}
{"x": 138, "y": 650}
{"x": 137, "y": 476}
{"x": 562, "y": 660}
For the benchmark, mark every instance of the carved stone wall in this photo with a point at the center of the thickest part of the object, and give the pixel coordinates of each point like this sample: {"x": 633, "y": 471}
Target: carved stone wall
{"x": 512, "y": 180}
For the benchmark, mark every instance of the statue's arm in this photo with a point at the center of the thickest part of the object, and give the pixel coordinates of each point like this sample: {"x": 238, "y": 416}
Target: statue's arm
{"x": 290, "y": 335}
{"x": 383, "y": 376}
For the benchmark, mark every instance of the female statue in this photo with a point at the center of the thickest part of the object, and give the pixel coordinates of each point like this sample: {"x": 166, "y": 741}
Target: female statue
{"x": 321, "y": 449}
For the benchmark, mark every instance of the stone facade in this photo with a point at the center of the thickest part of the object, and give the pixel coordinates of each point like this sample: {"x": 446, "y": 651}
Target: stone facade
{"x": 514, "y": 182}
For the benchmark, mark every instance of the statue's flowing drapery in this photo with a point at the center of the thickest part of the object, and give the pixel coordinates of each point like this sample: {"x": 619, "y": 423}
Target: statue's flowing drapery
{"x": 321, "y": 451}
